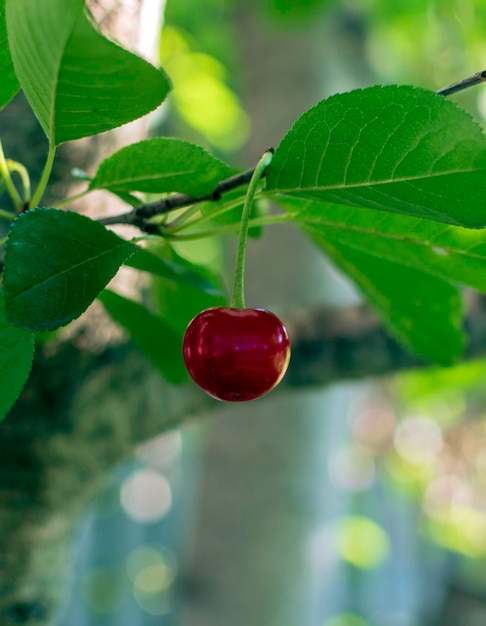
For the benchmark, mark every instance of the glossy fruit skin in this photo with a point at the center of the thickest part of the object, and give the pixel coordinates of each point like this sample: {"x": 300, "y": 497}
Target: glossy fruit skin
{"x": 236, "y": 355}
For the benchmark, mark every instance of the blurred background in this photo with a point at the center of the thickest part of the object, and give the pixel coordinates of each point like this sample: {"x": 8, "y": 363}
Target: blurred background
{"x": 363, "y": 504}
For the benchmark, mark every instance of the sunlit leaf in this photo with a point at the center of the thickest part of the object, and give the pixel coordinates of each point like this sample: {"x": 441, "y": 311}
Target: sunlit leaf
{"x": 422, "y": 310}
{"x": 399, "y": 149}
{"x": 16, "y": 353}
{"x": 78, "y": 82}
{"x": 202, "y": 96}
{"x": 56, "y": 263}
{"x": 161, "y": 165}
{"x": 455, "y": 254}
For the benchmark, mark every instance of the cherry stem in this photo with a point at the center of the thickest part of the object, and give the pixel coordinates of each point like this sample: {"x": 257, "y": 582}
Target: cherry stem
{"x": 238, "y": 296}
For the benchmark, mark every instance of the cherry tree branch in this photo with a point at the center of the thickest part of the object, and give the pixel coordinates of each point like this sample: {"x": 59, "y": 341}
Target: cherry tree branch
{"x": 139, "y": 215}
{"x": 470, "y": 81}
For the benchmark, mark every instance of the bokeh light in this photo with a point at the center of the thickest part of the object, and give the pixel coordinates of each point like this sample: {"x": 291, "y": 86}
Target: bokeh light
{"x": 418, "y": 440}
{"x": 352, "y": 469}
{"x": 146, "y": 496}
{"x": 361, "y": 541}
{"x": 161, "y": 452}
{"x": 373, "y": 429}
{"x": 346, "y": 619}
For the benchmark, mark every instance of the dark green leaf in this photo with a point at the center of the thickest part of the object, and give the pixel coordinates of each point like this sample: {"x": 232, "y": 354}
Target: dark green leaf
{"x": 174, "y": 270}
{"x": 399, "y": 149}
{"x": 157, "y": 340}
{"x": 56, "y": 263}
{"x": 161, "y": 165}
{"x": 78, "y": 82}
{"x": 9, "y": 85}
{"x": 421, "y": 310}
{"x": 179, "y": 302}
{"x": 16, "y": 352}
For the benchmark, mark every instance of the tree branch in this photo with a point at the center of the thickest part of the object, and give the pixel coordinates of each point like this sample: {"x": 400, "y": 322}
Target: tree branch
{"x": 330, "y": 345}
{"x": 470, "y": 81}
{"x": 139, "y": 215}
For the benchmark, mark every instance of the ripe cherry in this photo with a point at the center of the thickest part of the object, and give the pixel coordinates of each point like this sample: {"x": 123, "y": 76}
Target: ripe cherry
{"x": 236, "y": 354}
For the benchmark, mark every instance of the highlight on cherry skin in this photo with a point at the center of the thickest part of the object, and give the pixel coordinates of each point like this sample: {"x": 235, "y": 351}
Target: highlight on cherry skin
{"x": 234, "y": 354}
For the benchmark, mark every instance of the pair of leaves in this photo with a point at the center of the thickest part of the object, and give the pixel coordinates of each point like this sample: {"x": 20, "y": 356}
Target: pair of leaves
{"x": 404, "y": 152}
{"x": 57, "y": 263}
{"x": 78, "y": 83}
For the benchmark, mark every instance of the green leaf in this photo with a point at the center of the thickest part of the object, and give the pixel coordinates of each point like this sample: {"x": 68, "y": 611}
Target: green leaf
{"x": 77, "y": 82}
{"x": 179, "y": 302}
{"x": 423, "y": 311}
{"x": 56, "y": 263}
{"x": 174, "y": 270}
{"x": 161, "y": 165}
{"x": 399, "y": 149}
{"x": 455, "y": 254}
{"x": 10, "y": 84}
{"x": 155, "y": 338}
{"x": 16, "y": 353}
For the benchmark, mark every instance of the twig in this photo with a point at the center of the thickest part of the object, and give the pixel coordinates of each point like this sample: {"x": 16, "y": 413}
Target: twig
{"x": 471, "y": 81}
{"x": 139, "y": 214}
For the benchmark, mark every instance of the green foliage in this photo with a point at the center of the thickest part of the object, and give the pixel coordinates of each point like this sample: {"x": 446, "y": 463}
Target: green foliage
{"x": 153, "y": 335}
{"x": 175, "y": 269}
{"x": 161, "y": 165}
{"x": 455, "y": 254}
{"x": 179, "y": 302}
{"x": 56, "y": 263}
{"x": 399, "y": 149}
{"x": 17, "y": 350}
{"x": 78, "y": 82}
{"x": 10, "y": 84}
{"x": 422, "y": 310}
{"x": 426, "y": 254}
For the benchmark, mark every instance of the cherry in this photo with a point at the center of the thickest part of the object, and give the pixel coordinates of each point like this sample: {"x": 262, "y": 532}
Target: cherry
{"x": 236, "y": 354}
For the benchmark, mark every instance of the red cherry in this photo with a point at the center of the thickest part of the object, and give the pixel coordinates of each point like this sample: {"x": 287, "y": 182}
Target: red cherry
{"x": 236, "y": 354}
